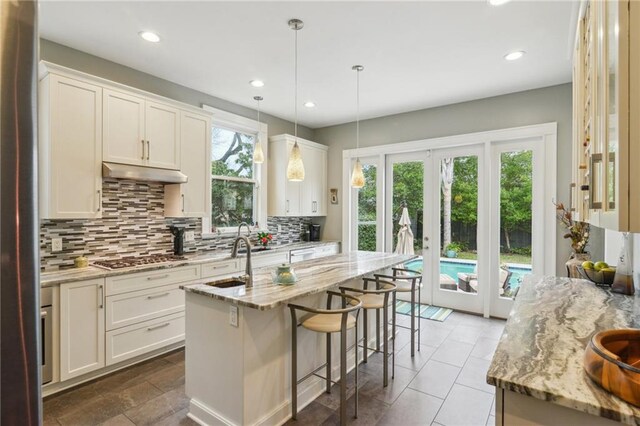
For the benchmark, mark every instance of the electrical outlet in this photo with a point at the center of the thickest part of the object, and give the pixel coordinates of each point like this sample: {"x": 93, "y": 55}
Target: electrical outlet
{"x": 233, "y": 316}
{"x": 56, "y": 244}
{"x": 279, "y": 228}
{"x": 189, "y": 236}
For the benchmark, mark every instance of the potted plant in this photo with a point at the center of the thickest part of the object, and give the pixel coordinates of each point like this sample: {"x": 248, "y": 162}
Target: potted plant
{"x": 452, "y": 249}
{"x": 578, "y": 233}
{"x": 264, "y": 238}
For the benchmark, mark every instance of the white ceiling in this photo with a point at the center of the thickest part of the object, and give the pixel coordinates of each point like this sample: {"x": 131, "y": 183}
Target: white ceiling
{"x": 416, "y": 54}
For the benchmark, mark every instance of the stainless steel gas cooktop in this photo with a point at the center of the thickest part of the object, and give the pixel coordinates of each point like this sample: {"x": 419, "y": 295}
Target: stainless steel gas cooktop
{"x": 128, "y": 262}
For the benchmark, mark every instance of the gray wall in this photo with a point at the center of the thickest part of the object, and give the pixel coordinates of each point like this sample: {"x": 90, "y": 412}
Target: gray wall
{"x": 550, "y": 104}
{"x": 94, "y": 65}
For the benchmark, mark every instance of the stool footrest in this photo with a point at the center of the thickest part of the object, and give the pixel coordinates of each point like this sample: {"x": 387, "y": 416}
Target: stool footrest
{"x": 313, "y": 373}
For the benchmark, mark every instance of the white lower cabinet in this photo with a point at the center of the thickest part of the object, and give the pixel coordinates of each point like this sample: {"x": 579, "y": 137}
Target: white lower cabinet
{"x": 131, "y": 308}
{"x": 138, "y": 339}
{"x": 219, "y": 269}
{"x": 82, "y": 328}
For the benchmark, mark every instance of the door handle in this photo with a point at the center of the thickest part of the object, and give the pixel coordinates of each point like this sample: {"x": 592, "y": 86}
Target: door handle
{"x": 148, "y": 149}
{"x": 142, "y": 149}
{"x": 43, "y": 314}
{"x": 426, "y": 238}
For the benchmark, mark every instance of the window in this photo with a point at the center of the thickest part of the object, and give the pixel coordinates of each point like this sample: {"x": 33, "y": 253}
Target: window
{"x": 235, "y": 180}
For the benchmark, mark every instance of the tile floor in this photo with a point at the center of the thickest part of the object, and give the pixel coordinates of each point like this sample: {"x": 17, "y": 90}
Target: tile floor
{"x": 444, "y": 384}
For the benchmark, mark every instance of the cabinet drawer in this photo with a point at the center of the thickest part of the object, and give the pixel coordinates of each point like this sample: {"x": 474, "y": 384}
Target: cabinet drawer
{"x": 143, "y": 280}
{"x": 225, "y": 267}
{"x": 270, "y": 259}
{"x": 328, "y": 250}
{"x": 138, "y": 339}
{"x": 137, "y": 306}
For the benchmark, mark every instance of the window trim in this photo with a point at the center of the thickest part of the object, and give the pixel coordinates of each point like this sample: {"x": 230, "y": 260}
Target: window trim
{"x": 237, "y": 123}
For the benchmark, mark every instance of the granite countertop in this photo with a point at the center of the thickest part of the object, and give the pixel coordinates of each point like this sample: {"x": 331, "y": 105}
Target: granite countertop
{"x": 314, "y": 276}
{"x": 540, "y": 352}
{"x": 90, "y": 272}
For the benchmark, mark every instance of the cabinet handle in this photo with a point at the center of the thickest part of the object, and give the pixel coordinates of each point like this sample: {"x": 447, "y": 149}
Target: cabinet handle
{"x": 100, "y": 296}
{"x": 158, "y": 326}
{"x": 571, "y": 187}
{"x": 221, "y": 266}
{"x": 142, "y": 149}
{"x": 148, "y": 149}
{"x": 155, "y": 296}
{"x": 287, "y": 206}
{"x": 158, "y": 277}
{"x": 99, "y": 200}
{"x": 182, "y": 203}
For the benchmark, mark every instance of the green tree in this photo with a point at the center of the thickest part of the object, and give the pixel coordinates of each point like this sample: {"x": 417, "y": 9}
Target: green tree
{"x": 516, "y": 193}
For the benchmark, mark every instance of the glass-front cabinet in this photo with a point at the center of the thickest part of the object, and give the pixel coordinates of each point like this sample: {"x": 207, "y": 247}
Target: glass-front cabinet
{"x": 605, "y": 186}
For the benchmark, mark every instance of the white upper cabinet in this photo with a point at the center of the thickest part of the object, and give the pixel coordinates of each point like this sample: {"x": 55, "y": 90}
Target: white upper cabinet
{"x": 606, "y": 76}
{"x": 306, "y": 198}
{"x": 124, "y": 133}
{"x": 70, "y": 148}
{"x": 140, "y": 132}
{"x": 192, "y": 199}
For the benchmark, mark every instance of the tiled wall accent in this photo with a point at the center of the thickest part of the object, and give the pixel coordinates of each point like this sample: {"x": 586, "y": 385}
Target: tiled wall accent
{"x": 133, "y": 223}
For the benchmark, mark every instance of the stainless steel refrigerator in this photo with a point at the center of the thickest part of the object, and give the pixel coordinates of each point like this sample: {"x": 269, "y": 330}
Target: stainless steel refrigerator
{"x": 20, "y": 396}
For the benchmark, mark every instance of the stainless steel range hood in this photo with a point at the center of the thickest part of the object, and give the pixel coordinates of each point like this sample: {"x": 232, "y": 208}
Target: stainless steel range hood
{"x": 149, "y": 174}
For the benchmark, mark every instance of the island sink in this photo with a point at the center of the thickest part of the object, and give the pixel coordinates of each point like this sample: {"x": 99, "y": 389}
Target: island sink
{"x": 229, "y": 282}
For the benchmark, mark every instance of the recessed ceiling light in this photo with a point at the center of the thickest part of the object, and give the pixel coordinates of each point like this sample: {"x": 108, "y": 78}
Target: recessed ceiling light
{"x": 309, "y": 104}
{"x": 257, "y": 83}
{"x": 150, "y": 36}
{"x": 514, "y": 55}
{"x": 498, "y": 2}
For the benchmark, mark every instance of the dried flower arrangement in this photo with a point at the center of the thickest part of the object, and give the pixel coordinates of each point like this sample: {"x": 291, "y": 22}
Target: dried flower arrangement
{"x": 578, "y": 232}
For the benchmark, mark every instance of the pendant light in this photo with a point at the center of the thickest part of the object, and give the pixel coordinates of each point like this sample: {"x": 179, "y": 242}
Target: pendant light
{"x": 357, "y": 177}
{"x": 295, "y": 167}
{"x": 258, "y": 155}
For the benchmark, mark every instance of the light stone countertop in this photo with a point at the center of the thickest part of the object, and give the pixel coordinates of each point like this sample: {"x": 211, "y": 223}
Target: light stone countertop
{"x": 540, "y": 352}
{"x": 48, "y": 279}
{"x": 314, "y": 276}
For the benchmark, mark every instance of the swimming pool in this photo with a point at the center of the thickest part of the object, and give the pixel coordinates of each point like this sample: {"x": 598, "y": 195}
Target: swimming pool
{"x": 453, "y": 267}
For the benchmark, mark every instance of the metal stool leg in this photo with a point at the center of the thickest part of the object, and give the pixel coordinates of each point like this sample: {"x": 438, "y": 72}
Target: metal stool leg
{"x": 365, "y": 335}
{"x": 328, "y": 373}
{"x": 377, "y": 329}
{"x": 419, "y": 317}
{"x": 356, "y": 366}
{"x": 294, "y": 370}
{"x": 413, "y": 323}
{"x": 393, "y": 331}
{"x": 343, "y": 377}
{"x": 385, "y": 344}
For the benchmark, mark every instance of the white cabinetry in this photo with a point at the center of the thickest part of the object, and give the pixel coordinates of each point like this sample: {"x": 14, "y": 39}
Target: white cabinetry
{"x": 141, "y": 132}
{"x": 70, "y": 148}
{"x": 192, "y": 199}
{"x": 81, "y": 328}
{"x": 306, "y": 198}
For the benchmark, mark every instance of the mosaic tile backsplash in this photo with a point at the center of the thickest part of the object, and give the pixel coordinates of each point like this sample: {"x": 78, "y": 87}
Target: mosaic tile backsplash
{"x": 133, "y": 223}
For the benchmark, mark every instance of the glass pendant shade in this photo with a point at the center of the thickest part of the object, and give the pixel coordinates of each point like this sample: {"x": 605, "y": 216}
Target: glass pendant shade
{"x": 258, "y": 155}
{"x": 357, "y": 177}
{"x": 295, "y": 168}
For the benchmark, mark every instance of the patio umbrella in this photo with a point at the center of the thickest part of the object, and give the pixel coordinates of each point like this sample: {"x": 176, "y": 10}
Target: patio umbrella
{"x": 405, "y": 236}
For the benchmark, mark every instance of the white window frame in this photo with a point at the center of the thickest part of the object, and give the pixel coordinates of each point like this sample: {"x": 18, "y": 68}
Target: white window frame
{"x": 237, "y": 123}
{"x": 378, "y": 162}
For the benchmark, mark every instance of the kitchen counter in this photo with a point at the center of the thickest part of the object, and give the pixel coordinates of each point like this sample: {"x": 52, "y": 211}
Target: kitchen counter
{"x": 540, "y": 352}
{"x": 239, "y": 340}
{"x": 70, "y": 275}
{"x": 314, "y": 276}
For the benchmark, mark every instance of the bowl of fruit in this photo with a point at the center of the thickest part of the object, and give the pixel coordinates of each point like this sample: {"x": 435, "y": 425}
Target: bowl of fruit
{"x": 599, "y": 273}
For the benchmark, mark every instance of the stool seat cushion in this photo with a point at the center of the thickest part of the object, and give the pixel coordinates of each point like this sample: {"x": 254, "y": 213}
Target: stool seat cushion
{"x": 402, "y": 286}
{"x": 327, "y": 323}
{"x": 370, "y": 301}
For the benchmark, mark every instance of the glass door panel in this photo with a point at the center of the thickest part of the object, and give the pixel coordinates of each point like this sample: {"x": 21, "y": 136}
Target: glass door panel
{"x": 456, "y": 255}
{"x": 367, "y": 226}
{"x": 516, "y": 228}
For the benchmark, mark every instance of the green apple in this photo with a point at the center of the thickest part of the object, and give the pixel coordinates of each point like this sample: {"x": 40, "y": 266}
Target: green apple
{"x": 587, "y": 264}
{"x": 598, "y": 266}
{"x": 608, "y": 269}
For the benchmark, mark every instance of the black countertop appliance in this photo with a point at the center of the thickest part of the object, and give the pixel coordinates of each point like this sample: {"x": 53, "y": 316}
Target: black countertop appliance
{"x": 178, "y": 239}
{"x": 314, "y": 232}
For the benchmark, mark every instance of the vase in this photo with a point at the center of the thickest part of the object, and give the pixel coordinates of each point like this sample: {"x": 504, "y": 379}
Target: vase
{"x": 574, "y": 261}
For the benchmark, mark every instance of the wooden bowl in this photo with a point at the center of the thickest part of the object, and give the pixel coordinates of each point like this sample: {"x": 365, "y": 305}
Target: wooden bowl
{"x": 612, "y": 360}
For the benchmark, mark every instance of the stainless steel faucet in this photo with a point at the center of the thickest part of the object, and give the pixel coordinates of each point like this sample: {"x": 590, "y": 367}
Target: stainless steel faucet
{"x": 248, "y": 228}
{"x": 234, "y": 254}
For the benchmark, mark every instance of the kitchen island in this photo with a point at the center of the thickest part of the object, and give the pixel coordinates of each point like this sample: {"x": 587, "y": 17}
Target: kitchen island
{"x": 239, "y": 374}
{"x": 537, "y": 367}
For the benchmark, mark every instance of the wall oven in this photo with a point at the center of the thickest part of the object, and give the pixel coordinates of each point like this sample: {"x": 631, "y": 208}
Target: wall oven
{"x": 46, "y": 333}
